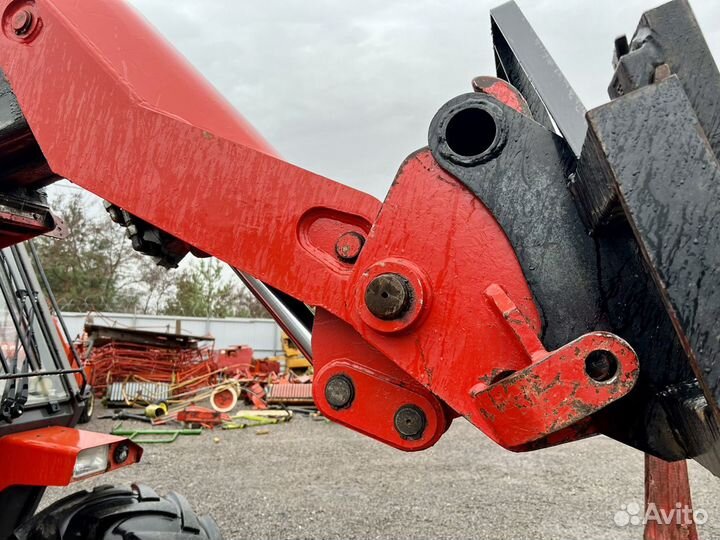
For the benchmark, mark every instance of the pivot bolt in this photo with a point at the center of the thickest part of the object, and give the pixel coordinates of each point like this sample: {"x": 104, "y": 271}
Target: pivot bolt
{"x": 22, "y": 22}
{"x": 340, "y": 391}
{"x": 410, "y": 422}
{"x": 348, "y": 246}
{"x": 388, "y": 296}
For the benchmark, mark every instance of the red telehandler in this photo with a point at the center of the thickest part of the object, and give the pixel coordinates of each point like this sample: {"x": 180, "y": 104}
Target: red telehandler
{"x": 547, "y": 273}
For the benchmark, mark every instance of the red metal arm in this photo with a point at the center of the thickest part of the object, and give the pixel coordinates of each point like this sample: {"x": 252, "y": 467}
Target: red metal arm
{"x": 115, "y": 110}
{"x": 128, "y": 120}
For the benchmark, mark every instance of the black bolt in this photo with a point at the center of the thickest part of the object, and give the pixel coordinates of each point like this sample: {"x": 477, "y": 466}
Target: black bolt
{"x": 388, "y": 296}
{"x": 340, "y": 391}
{"x": 121, "y": 453}
{"x": 410, "y": 422}
{"x": 349, "y": 245}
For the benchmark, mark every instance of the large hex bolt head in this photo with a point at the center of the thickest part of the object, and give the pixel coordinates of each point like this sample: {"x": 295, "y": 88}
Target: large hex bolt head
{"x": 388, "y": 296}
{"x": 340, "y": 391}
{"x": 410, "y": 422}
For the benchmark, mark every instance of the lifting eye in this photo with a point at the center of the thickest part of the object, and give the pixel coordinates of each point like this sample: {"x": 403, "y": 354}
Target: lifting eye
{"x": 601, "y": 366}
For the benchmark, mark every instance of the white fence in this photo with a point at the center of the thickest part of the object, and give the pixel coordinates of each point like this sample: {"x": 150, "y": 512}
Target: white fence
{"x": 263, "y": 335}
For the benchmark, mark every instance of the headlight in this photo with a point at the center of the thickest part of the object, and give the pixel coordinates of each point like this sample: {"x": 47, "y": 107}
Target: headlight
{"x": 91, "y": 461}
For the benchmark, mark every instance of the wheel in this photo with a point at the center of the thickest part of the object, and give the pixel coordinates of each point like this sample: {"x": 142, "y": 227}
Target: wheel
{"x": 88, "y": 410}
{"x": 118, "y": 513}
{"x": 224, "y": 398}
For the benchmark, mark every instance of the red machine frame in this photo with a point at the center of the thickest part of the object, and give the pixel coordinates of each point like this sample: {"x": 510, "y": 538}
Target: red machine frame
{"x": 131, "y": 122}
{"x": 423, "y": 310}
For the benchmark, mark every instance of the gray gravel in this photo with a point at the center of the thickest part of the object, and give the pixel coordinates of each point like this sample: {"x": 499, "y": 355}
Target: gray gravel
{"x": 313, "y": 479}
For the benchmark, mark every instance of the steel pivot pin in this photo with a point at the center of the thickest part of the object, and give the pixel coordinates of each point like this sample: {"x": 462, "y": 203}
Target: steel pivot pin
{"x": 410, "y": 422}
{"x": 388, "y": 296}
{"x": 340, "y": 391}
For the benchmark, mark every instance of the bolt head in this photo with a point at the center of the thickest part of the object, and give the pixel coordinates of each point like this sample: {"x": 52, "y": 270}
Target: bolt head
{"x": 410, "y": 422}
{"x": 388, "y": 296}
{"x": 340, "y": 391}
{"x": 348, "y": 246}
{"x": 22, "y": 22}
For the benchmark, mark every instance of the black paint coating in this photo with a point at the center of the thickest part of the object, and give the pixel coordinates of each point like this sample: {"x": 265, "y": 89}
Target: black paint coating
{"x": 521, "y": 178}
{"x": 668, "y": 181}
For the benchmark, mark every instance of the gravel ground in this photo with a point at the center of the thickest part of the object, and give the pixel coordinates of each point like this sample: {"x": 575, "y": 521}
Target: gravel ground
{"x": 314, "y": 479}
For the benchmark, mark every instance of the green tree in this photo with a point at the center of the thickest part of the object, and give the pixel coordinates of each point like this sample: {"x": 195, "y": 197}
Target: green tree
{"x": 204, "y": 290}
{"x": 94, "y": 267}
{"x": 246, "y": 305}
{"x": 158, "y": 285}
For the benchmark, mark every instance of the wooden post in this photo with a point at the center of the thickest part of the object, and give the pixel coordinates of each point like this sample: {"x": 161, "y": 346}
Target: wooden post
{"x": 668, "y": 505}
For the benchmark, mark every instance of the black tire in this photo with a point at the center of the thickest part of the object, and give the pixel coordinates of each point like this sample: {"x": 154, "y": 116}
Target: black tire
{"x": 118, "y": 513}
{"x": 88, "y": 409}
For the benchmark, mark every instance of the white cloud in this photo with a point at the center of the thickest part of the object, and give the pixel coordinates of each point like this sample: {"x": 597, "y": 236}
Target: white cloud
{"x": 348, "y": 89}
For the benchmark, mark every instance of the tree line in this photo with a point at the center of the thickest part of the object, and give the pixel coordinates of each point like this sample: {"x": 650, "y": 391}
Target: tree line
{"x": 96, "y": 269}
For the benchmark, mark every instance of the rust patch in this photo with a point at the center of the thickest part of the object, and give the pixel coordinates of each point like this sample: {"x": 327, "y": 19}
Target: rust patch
{"x": 500, "y": 406}
{"x": 429, "y": 374}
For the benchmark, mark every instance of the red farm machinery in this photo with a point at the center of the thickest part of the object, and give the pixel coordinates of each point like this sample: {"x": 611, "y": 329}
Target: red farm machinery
{"x": 545, "y": 272}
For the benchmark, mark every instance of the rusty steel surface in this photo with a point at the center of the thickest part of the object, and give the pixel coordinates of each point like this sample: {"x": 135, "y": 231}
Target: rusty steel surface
{"x": 670, "y": 36}
{"x": 669, "y": 195}
{"x": 652, "y": 209}
{"x": 679, "y": 196}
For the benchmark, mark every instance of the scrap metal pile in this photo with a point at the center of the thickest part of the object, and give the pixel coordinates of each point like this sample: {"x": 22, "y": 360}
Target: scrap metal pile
{"x": 182, "y": 371}
{"x": 139, "y": 368}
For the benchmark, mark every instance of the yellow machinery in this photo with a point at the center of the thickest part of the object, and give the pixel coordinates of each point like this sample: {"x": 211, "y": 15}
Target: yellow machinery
{"x": 295, "y": 361}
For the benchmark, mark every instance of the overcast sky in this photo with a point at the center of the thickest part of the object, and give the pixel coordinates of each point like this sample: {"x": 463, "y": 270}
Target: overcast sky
{"x": 348, "y": 89}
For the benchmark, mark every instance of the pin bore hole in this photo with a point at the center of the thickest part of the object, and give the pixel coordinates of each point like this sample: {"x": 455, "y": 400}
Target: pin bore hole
{"x": 470, "y": 132}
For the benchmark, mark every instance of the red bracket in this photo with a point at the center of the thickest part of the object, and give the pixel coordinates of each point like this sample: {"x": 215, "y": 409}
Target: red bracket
{"x": 380, "y": 390}
{"x": 557, "y": 389}
{"x": 47, "y": 456}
